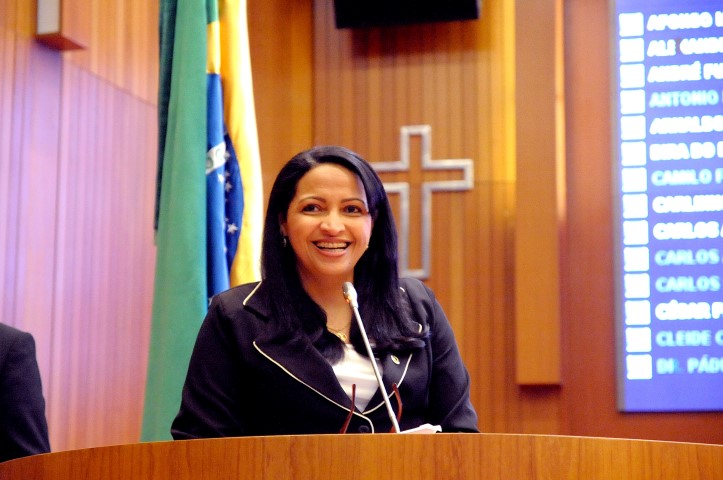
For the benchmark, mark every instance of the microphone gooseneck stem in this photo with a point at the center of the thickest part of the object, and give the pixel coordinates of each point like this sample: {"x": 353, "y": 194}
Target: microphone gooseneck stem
{"x": 351, "y": 298}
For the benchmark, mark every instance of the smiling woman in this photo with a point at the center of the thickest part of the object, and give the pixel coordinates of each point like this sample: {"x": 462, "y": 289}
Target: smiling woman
{"x": 328, "y": 225}
{"x": 282, "y": 356}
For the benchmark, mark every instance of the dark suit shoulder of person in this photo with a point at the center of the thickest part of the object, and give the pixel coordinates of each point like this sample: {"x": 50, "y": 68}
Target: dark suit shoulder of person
{"x": 23, "y": 426}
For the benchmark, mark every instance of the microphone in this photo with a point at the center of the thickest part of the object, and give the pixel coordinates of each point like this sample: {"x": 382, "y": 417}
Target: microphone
{"x": 351, "y": 298}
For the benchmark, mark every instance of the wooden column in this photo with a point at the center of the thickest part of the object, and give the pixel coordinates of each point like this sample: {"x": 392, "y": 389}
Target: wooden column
{"x": 540, "y": 190}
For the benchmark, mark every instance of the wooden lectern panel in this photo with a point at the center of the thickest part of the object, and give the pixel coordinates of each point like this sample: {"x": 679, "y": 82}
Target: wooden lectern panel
{"x": 387, "y": 456}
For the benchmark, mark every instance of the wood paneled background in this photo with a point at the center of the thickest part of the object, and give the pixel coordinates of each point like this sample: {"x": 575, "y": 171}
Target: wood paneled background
{"x": 77, "y": 173}
{"x": 450, "y": 76}
{"x": 77, "y": 164}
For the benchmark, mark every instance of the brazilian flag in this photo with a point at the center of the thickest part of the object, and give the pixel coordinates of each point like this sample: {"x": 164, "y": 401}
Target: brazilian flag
{"x": 209, "y": 193}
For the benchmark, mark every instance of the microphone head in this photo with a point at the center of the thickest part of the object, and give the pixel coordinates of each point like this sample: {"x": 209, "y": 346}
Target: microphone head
{"x": 350, "y": 294}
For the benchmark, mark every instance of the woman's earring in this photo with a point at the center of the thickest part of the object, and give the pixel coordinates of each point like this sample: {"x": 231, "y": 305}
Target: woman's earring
{"x": 284, "y": 241}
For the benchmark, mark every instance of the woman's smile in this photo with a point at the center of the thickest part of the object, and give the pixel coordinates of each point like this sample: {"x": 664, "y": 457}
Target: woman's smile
{"x": 332, "y": 246}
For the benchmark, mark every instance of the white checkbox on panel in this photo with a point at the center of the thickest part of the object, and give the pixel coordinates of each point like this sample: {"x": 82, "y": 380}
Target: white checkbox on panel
{"x": 637, "y": 285}
{"x": 636, "y": 259}
{"x": 634, "y": 180}
{"x": 632, "y": 101}
{"x": 635, "y": 232}
{"x": 633, "y": 127}
{"x": 638, "y": 340}
{"x": 639, "y": 367}
{"x": 631, "y": 24}
{"x": 632, "y": 75}
{"x": 632, "y": 50}
{"x": 637, "y": 312}
{"x": 635, "y": 205}
{"x": 633, "y": 154}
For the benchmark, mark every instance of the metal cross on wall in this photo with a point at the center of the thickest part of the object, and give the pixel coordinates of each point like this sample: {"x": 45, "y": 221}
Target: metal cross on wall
{"x": 424, "y": 132}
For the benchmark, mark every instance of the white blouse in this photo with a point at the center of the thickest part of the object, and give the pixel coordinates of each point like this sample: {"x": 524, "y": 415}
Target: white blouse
{"x": 357, "y": 369}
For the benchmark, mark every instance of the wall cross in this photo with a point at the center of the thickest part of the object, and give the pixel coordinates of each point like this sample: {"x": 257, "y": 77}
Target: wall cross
{"x": 424, "y": 132}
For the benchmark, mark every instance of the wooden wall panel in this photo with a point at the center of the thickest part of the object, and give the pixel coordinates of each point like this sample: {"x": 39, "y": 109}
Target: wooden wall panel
{"x": 368, "y": 84}
{"x": 460, "y": 79}
{"x": 77, "y": 179}
{"x": 104, "y": 262}
{"x": 280, "y": 36}
{"x": 8, "y": 199}
{"x": 589, "y": 402}
{"x": 34, "y": 140}
{"x": 77, "y": 174}
{"x": 122, "y": 43}
{"x": 540, "y": 183}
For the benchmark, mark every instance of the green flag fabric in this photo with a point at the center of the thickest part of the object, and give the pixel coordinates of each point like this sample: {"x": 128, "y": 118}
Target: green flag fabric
{"x": 179, "y": 295}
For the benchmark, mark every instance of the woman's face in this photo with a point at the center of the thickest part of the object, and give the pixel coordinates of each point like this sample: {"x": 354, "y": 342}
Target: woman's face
{"x": 328, "y": 224}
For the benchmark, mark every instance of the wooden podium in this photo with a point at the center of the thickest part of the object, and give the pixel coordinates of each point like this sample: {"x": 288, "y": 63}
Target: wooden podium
{"x": 385, "y": 457}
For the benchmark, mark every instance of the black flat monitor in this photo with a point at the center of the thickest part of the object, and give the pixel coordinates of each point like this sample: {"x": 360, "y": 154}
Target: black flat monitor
{"x": 379, "y": 13}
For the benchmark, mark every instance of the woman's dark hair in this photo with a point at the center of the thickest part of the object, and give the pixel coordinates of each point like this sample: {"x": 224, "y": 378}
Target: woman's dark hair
{"x": 385, "y": 312}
